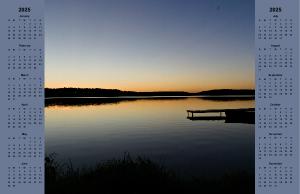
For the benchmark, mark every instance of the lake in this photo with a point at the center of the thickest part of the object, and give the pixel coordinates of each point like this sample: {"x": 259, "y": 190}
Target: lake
{"x": 156, "y": 128}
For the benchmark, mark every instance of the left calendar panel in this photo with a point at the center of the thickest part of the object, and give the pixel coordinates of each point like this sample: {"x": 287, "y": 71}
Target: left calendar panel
{"x": 22, "y": 96}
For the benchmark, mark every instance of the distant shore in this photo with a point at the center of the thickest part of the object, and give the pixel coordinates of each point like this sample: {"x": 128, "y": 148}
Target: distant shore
{"x": 99, "y": 92}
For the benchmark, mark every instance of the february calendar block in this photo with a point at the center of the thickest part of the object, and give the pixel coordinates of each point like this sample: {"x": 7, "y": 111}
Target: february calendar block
{"x": 25, "y": 58}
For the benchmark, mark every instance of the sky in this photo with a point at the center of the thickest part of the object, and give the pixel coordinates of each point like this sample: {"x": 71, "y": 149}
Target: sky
{"x": 150, "y": 45}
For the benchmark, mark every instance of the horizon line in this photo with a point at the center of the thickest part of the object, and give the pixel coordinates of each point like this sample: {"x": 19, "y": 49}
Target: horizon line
{"x": 147, "y": 91}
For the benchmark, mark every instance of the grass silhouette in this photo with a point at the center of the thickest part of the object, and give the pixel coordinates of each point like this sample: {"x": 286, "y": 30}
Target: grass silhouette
{"x": 138, "y": 175}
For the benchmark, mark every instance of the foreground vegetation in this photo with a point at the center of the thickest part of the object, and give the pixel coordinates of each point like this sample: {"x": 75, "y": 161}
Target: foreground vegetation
{"x": 137, "y": 176}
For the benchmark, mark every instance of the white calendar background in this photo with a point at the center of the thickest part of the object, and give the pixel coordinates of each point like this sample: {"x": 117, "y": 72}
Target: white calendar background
{"x": 22, "y": 97}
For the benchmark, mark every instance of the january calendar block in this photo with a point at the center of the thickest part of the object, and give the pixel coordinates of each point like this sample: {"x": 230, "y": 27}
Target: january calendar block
{"x": 275, "y": 116}
{"x": 24, "y": 28}
{"x": 25, "y": 58}
{"x": 24, "y": 87}
{"x": 275, "y": 85}
{"x": 275, "y": 28}
{"x": 275, "y": 58}
{"x": 24, "y": 174}
{"x": 24, "y": 146}
{"x": 275, "y": 145}
{"x": 25, "y": 116}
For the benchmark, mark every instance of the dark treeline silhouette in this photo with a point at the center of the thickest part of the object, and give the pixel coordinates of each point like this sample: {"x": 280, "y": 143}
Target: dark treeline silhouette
{"x": 226, "y": 92}
{"x": 99, "y": 92}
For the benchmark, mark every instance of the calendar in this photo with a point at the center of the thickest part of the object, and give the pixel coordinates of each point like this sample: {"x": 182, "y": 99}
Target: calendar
{"x": 277, "y": 97}
{"x": 22, "y": 97}
{"x": 22, "y": 139}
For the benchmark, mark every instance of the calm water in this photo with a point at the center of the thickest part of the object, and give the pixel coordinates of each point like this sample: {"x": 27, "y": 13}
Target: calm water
{"x": 155, "y": 128}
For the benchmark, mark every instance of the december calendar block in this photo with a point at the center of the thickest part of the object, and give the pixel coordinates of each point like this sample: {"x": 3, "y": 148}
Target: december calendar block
{"x": 25, "y": 174}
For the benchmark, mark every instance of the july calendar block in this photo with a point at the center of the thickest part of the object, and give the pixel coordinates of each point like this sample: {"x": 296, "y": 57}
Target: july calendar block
{"x": 275, "y": 28}
{"x": 275, "y": 58}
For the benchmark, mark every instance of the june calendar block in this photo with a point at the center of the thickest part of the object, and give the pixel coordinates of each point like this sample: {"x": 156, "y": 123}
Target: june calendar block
{"x": 24, "y": 174}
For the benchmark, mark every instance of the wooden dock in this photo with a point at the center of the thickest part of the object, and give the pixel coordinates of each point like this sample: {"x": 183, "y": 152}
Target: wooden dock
{"x": 241, "y": 115}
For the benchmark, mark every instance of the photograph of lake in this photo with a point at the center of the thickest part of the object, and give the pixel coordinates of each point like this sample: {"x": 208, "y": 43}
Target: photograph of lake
{"x": 149, "y": 96}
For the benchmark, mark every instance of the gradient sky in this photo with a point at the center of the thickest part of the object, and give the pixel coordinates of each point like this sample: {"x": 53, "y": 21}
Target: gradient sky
{"x": 150, "y": 45}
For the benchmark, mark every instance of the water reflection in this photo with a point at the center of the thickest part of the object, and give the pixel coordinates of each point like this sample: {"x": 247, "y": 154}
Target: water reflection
{"x": 93, "y": 130}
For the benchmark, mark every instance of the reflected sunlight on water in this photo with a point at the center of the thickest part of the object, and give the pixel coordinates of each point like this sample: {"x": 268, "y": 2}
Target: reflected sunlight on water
{"x": 155, "y": 128}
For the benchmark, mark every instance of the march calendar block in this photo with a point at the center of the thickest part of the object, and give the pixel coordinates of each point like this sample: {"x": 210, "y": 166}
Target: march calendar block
{"x": 22, "y": 97}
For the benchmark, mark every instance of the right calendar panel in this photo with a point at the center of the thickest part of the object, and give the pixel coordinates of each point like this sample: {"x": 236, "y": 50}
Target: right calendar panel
{"x": 277, "y": 97}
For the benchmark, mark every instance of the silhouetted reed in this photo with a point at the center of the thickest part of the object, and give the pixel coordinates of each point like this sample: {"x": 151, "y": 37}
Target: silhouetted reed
{"x": 137, "y": 176}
